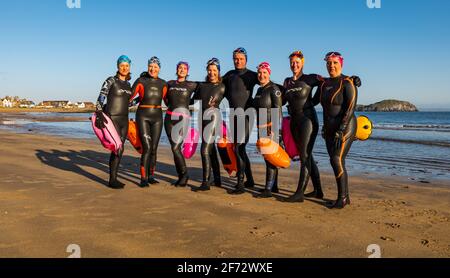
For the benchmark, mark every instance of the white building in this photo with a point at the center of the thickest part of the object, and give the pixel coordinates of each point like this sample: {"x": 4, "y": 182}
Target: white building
{"x": 80, "y": 105}
{"x": 7, "y": 103}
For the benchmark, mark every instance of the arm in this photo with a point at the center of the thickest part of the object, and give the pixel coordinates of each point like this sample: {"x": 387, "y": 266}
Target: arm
{"x": 104, "y": 91}
{"x": 283, "y": 92}
{"x": 137, "y": 89}
{"x": 164, "y": 92}
{"x": 315, "y": 80}
{"x": 195, "y": 95}
{"x": 277, "y": 103}
{"x": 316, "y": 97}
{"x": 218, "y": 97}
{"x": 350, "y": 98}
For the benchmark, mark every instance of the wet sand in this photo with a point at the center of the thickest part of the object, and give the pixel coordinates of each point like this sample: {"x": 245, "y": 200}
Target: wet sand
{"x": 53, "y": 193}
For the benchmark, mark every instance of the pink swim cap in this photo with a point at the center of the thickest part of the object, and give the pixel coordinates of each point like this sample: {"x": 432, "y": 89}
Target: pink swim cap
{"x": 266, "y": 66}
{"x": 335, "y": 55}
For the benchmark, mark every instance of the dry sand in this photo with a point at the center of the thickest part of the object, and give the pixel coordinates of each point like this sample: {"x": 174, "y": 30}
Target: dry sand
{"x": 53, "y": 193}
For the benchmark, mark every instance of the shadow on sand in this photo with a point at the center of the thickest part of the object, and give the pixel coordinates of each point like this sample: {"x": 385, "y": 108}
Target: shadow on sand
{"x": 79, "y": 162}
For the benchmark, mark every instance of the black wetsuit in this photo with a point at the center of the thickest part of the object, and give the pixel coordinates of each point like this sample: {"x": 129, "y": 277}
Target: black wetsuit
{"x": 207, "y": 93}
{"x": 267, "y": 98}
{"x": 338, "y": 97}
{"x": 149, "y": 121}
{"x": 116, "y": 93}
{"x": 239, "y": 85}
{"x": 304, "y": 129}
{"x": 177, "y": 100}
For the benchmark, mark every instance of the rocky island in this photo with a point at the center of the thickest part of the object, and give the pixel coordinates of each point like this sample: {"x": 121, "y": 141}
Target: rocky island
{"x": 390, "y": 105}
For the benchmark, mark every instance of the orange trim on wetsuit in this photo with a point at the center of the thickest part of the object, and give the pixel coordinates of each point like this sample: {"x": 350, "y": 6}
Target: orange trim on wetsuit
{"x": 142, "y": 171}
{"x": 344, "y": 140}
{"x": 150, "y": 106}
{"x": 351, "y": 106}
{"x": 139, "y": 90}
{"x": 337, "y": 91}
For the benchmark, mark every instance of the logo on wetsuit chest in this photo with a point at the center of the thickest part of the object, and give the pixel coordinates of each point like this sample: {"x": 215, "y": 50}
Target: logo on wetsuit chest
{"x": 328, "y": 88}
{"x": 183, "y": 90}
{"x": 295, "y": 90}
{"x": 122, "y": 91}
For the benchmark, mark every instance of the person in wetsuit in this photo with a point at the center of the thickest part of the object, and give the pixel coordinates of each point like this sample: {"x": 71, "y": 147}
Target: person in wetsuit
{"x": 177, "y": 100}
{"x": 151, "y": 90}
{"x": 210, "y": 94}
{"x": 304, "y": 124}
{"x": 239, "y": 84}
{"x": 113, "y": 100}
{"x": 267, "y": 99}
{"x": 338, "y": 96}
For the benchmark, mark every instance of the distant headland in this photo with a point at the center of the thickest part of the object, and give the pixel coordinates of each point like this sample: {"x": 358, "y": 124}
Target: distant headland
{"x": 389, "y": 105}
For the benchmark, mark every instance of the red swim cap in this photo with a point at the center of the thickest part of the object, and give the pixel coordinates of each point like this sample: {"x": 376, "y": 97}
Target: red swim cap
{"x": 335, "y": 55}
{"x": 266, "y": 66}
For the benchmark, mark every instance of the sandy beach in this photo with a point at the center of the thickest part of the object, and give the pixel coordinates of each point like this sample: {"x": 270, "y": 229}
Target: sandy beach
{"x": 53, "y": 193}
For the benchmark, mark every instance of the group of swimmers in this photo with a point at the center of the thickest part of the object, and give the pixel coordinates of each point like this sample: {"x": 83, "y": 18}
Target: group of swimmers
{"x": 337, "y": 94}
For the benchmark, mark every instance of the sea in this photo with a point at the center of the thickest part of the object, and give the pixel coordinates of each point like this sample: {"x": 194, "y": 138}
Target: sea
{"x": 415, "y": 145}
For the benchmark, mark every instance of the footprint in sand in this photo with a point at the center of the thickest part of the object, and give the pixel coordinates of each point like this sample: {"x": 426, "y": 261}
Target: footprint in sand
{"x": 393, "y": 225}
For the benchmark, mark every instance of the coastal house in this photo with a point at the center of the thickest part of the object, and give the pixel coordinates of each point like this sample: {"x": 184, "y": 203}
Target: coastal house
{"x": 27, "y": 104}
{"x": 55, "y": 103}
{"x": 79, "y": 105}
{"x": 6, "y": 103}
{"x": 89, "y": 105}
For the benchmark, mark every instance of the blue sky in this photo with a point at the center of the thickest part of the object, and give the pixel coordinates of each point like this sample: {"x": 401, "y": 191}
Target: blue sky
{"x": 52, "y": 52}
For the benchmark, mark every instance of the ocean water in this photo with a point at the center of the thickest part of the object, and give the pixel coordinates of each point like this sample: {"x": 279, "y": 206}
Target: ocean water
{"x": 414, "y": 145}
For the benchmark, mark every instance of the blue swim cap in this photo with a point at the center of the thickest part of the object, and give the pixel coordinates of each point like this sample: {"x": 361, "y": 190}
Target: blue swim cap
{"x": 123, "y": 59}
{"x": 240, "y": 50}
{"x": 154, "y": 60}
{"x": 213, "y": 61}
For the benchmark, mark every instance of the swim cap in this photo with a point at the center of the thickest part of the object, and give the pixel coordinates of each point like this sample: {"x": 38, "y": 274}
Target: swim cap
{"x": 183, "y": 63}
{"x": 240, "y": 50}
{"x": 334, "y": 54}
{"x": 154, "y": 60}
{"x": 298, "y": 54}
{"x": 213, "y": 61}
{"x": 123, "y": 59}
{"x": 266, "y": 66}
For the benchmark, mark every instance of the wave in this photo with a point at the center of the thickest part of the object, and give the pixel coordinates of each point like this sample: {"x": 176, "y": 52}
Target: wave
{"x": 410, "y": 141}
{"x": 417, "y": 127}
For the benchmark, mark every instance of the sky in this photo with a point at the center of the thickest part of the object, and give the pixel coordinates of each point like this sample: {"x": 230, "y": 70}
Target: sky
{"x": 50, "y": 51}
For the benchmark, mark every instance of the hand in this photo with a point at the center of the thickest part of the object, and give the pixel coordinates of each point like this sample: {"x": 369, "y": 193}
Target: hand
{"x": 134, "y": 102}
{"x": 356, "y": 80}
{"x": 100, "y": 119}
{"x": 338, "y": 138}
{"x": 212, "y": 102}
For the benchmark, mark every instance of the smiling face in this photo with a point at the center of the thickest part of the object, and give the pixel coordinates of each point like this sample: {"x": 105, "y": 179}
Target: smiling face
{"x": 263, "y": 76}
{"x": 334, "y": 67}
{"x": 213, "y": 73}
{"x": 124, "y": 69}
{"x": 153, "y": 70}
{"x": 296, "y": 65}
{"x": 240, "y": 62}
{"x": 182, "y": 71}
